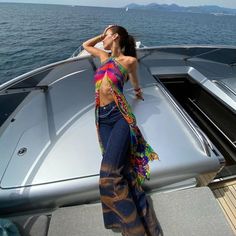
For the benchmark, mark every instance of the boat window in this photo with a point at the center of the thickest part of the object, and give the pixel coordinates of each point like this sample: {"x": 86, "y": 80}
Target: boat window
{"x": 215, "y": 119}
{"x": 9, "y": 103}
{"x": 32, "y": 81}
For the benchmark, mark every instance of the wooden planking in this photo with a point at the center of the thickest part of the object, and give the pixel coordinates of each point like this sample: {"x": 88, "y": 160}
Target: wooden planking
{"x": 225, "y": 193}
{"x": 225, "y": 209}
{"x": 204, "y": 180}
{"x": 233, "y": 190}
{"x": 223, "y": 184}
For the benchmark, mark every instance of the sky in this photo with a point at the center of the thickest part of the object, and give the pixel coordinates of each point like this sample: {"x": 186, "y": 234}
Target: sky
{"x": 121, "y": 3}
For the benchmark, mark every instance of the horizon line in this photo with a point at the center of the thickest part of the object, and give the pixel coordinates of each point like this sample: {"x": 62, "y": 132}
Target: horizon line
{"x": 73, "y": 5}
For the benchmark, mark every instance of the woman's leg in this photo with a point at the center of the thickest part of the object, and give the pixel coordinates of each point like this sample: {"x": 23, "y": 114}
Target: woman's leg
{"x": 143, "y": 205}
{"x": 119, "y": 209}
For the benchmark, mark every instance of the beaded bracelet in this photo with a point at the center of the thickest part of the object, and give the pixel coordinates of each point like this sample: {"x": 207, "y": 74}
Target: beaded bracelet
{"x": 138, "y": 93}
{"x": 137, "y": 89}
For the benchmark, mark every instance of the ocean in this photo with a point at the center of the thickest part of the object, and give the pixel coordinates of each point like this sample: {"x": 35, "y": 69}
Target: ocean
{"x": 33, "y": 35}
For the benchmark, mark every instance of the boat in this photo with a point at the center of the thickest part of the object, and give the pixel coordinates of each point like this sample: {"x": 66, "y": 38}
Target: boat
{"x": 50, "y": 156}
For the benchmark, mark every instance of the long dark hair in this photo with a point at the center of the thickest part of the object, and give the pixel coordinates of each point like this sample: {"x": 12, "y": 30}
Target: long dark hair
{"x": 127, "y": 41}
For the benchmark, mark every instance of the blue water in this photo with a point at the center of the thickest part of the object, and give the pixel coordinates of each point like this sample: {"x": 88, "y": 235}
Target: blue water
{"x": 34, "y": 35}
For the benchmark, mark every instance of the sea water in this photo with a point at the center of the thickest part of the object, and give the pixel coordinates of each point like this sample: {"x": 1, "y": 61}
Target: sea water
{"x": 33, "y": 35}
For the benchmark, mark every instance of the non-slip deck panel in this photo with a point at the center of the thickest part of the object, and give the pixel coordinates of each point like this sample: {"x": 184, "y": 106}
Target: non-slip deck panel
{"x": 188, "y": 212}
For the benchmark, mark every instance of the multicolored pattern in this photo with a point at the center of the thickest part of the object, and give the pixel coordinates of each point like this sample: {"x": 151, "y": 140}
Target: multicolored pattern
{"x": 141, "y": 151}
{"x": 124, "y": 203}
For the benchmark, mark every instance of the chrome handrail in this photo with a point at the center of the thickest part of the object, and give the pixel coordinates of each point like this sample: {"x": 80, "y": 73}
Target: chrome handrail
{"x": 204, "y": 141}
{"x": 218, "y": 129}
{"x": 77, "y": 51}
{"x": 30, "y": 74}
{"x": 205, "y": 137}
{"x": 22, "y": 90}
{"x": 222, "y": 84}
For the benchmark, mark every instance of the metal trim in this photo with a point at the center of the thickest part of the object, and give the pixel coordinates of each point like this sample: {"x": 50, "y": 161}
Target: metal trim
{"x": 22, "y": 90}
{"x": 222, "y": 84}
{"x": 205, "y": 143}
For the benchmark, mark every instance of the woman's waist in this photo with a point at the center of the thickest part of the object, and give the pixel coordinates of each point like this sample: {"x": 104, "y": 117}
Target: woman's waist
{"x": 103, "y": 101}
{"x": 108, "y": 110}
{"x": 105, "y": 97}
{"x": 107, "y": 106}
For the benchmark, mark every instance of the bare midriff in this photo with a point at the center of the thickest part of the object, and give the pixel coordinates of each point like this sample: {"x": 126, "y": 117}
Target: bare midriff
{"x": 105, "y": 93}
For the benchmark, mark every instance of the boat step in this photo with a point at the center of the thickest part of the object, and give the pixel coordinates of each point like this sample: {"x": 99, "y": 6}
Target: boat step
{"x": 186, "y": 212}
{"x": 193, "y": 211}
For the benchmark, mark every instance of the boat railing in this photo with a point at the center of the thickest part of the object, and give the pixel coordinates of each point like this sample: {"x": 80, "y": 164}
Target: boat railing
{"x": 30, "y": 75}
{"x": 77, "y": 51}
{"x": 232, "y": 143}
{"x": 22, "y": 90}
{"x": 224, "y": 86}
{"x": 204, "y": 141}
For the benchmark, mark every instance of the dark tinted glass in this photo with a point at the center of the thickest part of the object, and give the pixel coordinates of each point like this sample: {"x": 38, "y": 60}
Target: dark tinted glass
{"x": 8, "y": 103}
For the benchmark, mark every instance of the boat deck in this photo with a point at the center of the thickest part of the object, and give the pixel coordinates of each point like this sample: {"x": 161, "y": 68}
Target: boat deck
{"x": 225, "y": 193}
{"x": 175, "y": 211}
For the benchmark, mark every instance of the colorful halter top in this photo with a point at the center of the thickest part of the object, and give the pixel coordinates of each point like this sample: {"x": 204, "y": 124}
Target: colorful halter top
{"x": 141, "y": 152}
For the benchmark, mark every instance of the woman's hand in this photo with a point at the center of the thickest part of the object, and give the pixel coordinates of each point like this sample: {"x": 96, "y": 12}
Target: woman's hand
{"x": 139, "y": 93}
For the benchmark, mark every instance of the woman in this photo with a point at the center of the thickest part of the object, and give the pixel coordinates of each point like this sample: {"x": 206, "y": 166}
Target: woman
{"x": 125, "y": 152}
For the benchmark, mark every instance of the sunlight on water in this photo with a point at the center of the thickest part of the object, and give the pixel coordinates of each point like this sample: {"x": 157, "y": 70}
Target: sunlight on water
{"x": 34, "y": 35}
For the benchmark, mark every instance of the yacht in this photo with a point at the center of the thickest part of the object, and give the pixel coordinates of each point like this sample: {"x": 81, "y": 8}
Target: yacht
{"x": 50, "y": 157}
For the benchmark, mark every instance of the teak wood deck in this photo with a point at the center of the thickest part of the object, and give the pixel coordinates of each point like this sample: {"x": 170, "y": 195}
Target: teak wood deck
{"x": 225, "y": 193}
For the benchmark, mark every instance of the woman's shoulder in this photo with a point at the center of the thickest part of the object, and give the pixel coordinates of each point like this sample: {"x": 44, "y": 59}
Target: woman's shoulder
{"x": 130, "y": 61}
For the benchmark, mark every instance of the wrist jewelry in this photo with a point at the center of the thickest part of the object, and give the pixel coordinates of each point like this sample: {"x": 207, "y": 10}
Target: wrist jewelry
{"x": 137, "y": 90}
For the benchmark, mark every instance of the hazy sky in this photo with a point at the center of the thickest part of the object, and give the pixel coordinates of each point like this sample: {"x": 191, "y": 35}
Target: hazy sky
{"x": 121, "y": 3}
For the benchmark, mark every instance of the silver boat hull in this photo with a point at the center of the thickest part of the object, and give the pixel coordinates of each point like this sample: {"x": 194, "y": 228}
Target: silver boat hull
{"x": 50, "y": 155}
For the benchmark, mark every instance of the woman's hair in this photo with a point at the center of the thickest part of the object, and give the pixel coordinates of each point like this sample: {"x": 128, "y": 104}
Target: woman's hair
{"x": 127, "y": 42}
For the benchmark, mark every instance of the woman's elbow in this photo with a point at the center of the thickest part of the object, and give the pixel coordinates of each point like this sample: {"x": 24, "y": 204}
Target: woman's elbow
{"x": 84, "y": 45}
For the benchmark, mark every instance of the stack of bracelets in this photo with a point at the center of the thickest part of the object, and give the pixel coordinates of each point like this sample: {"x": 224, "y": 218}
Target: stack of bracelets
{"x": 138, "y": 93}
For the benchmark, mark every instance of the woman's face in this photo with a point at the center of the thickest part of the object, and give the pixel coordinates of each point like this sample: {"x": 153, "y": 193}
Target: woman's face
{"x": 108, "y": 40}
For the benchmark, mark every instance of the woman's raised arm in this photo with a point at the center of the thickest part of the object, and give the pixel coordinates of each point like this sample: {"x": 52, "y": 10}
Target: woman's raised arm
{"x": 89, "y": 46}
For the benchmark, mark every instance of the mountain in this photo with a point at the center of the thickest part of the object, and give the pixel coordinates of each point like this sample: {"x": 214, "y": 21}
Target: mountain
{"x": 175, "y": 8}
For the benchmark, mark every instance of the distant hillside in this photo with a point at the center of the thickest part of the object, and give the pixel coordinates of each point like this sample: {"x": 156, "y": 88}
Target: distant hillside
{"x": 176, "y": 8}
